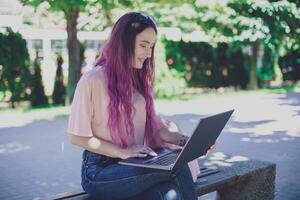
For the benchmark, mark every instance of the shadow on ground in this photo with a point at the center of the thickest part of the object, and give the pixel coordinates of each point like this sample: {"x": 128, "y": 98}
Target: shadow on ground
{"x": 34, "y": 153}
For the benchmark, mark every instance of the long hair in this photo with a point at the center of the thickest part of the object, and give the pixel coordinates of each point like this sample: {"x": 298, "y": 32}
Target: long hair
{"x": 117, "y": 58}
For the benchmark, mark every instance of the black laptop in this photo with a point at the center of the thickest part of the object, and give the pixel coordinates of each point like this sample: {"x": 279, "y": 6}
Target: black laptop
{"x": 204, "y": 136}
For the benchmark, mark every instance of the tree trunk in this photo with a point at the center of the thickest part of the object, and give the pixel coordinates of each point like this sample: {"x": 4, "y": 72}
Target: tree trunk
{"x": 278, "y": 76}
{"x": 253, "y": 65}
{"x": 73, "y": 53}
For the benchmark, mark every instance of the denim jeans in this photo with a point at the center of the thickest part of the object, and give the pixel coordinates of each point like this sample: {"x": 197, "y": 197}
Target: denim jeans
{"x": 105, "y": 179}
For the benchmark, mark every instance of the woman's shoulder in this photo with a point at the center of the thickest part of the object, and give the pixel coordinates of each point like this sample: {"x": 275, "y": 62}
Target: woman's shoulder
{"x": 93, "y": 74}
{"x": 92, "y": 80}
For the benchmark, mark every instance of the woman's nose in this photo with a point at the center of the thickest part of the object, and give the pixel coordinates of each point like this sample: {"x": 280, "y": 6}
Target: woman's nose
{"x": 149, "y": 52}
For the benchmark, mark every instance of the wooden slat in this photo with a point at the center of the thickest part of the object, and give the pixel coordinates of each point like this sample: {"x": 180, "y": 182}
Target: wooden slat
{"x": 80, "y": 194}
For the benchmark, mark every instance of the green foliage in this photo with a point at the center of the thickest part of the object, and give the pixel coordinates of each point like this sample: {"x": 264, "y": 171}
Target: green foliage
{"x": 93, "y": 15}
{"x": 274, "y": 23}
{"x": 207, "y": 66}
{"x": 14, "y": 66}
{"x": 281, "y": 18}
{"x": 38, "y": 97}
{"x": 59, "y": 92}
{"x": 249, "y": 20}
{"x": 168, "y": 82}
{"x": 72, "y": 10}
{"x": 265, "y": 73}
{"x": 290, "y": 65}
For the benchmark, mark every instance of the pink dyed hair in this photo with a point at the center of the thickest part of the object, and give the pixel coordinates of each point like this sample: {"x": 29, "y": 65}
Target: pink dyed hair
{"x": 117, "y": 57}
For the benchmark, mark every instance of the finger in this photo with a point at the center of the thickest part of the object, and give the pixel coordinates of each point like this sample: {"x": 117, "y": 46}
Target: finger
{"x": 151, "y": 151}
{"x": 145, "y": 150}
{"x": 139, "y": 155}
{"x": 211, "y": 147}
{"x": 209, "y": 151}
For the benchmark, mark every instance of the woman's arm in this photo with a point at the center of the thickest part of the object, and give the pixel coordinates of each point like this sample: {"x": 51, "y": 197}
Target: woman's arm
{"x": 96, "y": 145}
{"x": 172, "y": 134}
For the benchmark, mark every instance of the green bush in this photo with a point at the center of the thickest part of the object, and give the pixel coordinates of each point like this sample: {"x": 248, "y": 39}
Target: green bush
{"x": 205, "y": 65}
{"x": 168, "y": 82}
{"x": 14, "y": 67}
{"x": 290, "y": 65}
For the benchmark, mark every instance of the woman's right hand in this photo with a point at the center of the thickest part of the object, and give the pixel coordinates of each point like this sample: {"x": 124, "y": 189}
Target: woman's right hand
{"x": 139, "y": 151}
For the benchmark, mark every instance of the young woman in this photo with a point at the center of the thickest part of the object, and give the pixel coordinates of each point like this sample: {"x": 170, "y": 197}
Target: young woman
{"x": 113, "y": 117}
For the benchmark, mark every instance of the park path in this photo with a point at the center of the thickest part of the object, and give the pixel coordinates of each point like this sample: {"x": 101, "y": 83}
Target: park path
{"x": 264, "y": 126}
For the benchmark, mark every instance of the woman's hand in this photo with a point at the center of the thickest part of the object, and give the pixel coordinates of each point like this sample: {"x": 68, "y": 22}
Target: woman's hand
{"x": 136, "y": 151}
{"x": 172, "y": 134}
{"x": 211, "y": 149}
{"x": 183, "y": 140}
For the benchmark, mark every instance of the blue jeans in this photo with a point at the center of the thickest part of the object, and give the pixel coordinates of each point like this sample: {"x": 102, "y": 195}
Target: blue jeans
{"x": 103, "y": 178}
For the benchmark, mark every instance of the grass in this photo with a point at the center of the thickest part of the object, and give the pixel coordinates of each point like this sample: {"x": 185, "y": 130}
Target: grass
{"x": 282, "y": 89}
{"x": 42, "y": 113}
{"x": 53, "y": 112}
{"x": 291, "y": 87}
{"x": 208, "y": 93}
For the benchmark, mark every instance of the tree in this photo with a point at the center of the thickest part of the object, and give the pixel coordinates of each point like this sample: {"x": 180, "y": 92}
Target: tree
{"x": 253, "y": 23}
{"x": 59, "y": 92}
{"x": 71, "y": 10}
{"x": 281, "y": 18}
{"x": 92, "y": 9}
{"x": 38, "y": 97}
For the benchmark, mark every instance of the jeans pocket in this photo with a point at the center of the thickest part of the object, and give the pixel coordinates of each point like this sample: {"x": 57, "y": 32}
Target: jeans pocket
{"x": 92, "y": 158}
{"x": 92, "y": 164}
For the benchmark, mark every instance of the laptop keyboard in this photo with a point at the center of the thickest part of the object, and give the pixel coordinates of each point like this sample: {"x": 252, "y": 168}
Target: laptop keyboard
{"x": 165, "y": 159}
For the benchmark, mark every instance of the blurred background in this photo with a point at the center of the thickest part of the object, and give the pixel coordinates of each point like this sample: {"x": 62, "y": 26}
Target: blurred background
{"x": 210, "y": 54}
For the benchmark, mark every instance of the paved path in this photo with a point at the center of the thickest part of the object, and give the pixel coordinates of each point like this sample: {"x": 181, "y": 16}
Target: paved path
{"x": 264, "y": 126}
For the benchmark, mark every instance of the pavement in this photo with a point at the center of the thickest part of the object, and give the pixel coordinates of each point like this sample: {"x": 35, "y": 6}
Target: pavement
{"x": 37, "y": 161}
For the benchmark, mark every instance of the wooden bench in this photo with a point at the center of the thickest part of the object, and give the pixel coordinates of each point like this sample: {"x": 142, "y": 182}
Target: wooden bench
{"x": 232, "y": 180}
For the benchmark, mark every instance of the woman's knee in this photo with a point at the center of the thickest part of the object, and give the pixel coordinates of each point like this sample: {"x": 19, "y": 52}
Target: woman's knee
{"x": 163, "y": 191}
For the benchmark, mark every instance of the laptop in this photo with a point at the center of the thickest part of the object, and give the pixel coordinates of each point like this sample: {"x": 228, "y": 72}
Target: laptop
{"x": 203, "y": 137}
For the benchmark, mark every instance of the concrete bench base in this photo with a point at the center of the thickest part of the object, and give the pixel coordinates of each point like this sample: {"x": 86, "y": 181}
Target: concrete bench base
{"x": 247, "y": 180}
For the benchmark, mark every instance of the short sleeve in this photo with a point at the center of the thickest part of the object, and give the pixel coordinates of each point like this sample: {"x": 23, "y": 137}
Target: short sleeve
{"x": 81, "y": 110}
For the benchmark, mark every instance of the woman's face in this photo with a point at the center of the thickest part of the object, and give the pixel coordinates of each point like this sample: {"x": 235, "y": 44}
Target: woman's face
{"x": 143, "y": 46}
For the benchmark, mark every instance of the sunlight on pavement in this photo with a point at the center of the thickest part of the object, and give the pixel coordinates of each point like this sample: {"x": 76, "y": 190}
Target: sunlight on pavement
{"x": 13, "y": 147}
{"x": 237, "y": 159}
{"x": 262, "y": 117}
{"x": 18, "y": 118}
{"x": 221, "y": 159}
{"x": 289, "y": 126}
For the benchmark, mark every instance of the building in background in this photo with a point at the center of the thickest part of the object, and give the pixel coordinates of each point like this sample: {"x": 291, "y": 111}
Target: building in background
{"x": 11, "y": 14}
{"x": 50, "y": 43}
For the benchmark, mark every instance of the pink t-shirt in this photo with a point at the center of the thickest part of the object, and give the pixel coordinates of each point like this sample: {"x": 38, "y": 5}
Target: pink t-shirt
{"x": 88, "y": 115}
